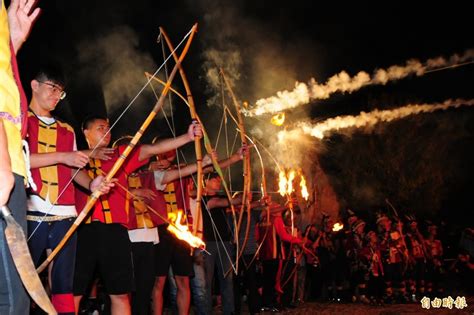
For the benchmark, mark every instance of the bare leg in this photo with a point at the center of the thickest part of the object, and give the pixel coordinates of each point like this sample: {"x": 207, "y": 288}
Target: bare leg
{"x": 77, "y": 301}
{"x": 183, "y": 298}
{"x": 120, "y": 304}
{"x": 158, "y": 295}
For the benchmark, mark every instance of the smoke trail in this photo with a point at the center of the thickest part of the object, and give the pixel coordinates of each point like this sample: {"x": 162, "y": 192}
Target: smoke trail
{"x": 323, "y": 129}
{"x": 343, "y": 82}
{"x": 118, "y": 64}
{"x": 222, "y": 50}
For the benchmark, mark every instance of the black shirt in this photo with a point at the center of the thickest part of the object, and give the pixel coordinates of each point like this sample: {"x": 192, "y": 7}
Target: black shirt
{"x": 222, "y": 221}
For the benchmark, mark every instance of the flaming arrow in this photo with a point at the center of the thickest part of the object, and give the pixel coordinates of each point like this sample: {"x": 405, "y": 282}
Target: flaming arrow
{"x": 115, "y": 168}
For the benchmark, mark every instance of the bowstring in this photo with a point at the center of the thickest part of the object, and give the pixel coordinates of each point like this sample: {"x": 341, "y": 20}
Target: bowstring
{"x": 105, "y": 135}
{"x": 174, "y": 136}
{"x": 214, "y": 227}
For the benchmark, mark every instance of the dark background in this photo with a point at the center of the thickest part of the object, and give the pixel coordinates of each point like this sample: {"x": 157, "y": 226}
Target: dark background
{"x": 423, "y": 163}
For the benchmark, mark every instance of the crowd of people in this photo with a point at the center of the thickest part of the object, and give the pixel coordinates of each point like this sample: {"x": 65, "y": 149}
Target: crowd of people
{"x": 125, "y": 249}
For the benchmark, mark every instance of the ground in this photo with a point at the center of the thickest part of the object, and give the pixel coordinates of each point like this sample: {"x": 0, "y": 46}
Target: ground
{"x": 359, "y": 309}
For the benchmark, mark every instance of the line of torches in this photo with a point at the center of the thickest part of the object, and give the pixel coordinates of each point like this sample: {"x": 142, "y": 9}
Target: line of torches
{"x": 285, "y": 183}
{"x": 182, "y": 232}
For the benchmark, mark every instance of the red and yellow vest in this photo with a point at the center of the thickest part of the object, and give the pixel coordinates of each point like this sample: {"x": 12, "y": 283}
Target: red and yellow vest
{"x": 113, "y": 207}
{"x": 147, "y": 180}
{"x": 177, "y": 199}
{"x": 140, "y": 216}
{"x": 51, "y": 180}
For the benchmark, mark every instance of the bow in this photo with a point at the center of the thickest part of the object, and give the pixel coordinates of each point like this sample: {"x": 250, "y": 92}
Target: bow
{"x": 197, "y": 141}
{"x": 263, "y": 187}
{"x": 118, "y": 164}
{"x": 304, "y": 249}
{"x": 264, "y": 190}
{"x": 189, "y": 101}
{"x": 246, "y": 198}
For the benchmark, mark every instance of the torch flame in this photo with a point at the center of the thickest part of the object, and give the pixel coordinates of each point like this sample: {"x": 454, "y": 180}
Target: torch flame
{"x": 278, "y": 119}
{"x": 337, "y": 227}
{"x": 304, "y": 189}
{"x": 291, "y": 177}
{"x": 182, "y": 232}
{"x": 282, "y": 182}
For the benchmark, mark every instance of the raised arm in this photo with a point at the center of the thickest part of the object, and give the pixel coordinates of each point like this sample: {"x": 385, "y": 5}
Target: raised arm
{"x": 234, "y": 158}
{"x": 174, "y": 174}
{"x": 21, "y": 17}
{"x": 219, "y": 202}
{"x": 282, "y": 233}
{"x": 149, "y": 150}
{"x": 74, "y": 159}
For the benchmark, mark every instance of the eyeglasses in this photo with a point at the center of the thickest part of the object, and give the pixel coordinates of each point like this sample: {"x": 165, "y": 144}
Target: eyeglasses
{"x": 55, "y": 89}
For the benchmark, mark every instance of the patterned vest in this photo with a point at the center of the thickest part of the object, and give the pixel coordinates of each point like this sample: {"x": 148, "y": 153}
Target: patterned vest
{"x": 177, "y": 199}
{"x": 139, "y": 215}
{"x": 51, "y": 180}
{"x": 113, "y": 207}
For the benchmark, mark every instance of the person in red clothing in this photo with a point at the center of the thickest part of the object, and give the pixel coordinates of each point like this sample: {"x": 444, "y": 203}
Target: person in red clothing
{"x": 272, "y": 252}
{"x": 435, "y": 271}
{"x": 372, "y": 256}
{"x": 172, "y": 183}
{"x": 417, "y": 260}
{"x": 146, "y": 226}
{"x": 51, "y": 201}
{"x": 103, "y": 242}
{"x": 354, "y": 245}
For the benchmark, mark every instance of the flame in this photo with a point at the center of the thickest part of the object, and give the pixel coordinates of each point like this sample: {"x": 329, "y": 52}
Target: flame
{"x": 304, "y": 189}
{"x": 289, "y": 187}
{"x": 285, "y": 184}
{"x": 337, "y": 227}
{"x": 282, "y": 183}
{"x": 182, "y": 231}
{"x": 278, "y": 119}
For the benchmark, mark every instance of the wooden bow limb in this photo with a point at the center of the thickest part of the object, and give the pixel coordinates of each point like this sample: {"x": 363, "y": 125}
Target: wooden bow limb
{"x": 247, "y": 173}
{"x": 197, "y": 141}
{"x": 207, "y": 146}
{"x": 18, "y": 247}
{"x": 290, "y": 206}
{"x": 118, "y": 164}
{"x": 303, "y": 250}
{"x": 264, "y": 192}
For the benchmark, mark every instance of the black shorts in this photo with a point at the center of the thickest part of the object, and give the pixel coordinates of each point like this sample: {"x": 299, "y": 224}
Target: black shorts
{"x": 105, "y": 249}
{"x": 173, "y": 252}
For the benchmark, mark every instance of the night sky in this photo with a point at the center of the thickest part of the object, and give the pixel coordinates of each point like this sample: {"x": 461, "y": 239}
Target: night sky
{"x": 422, "y": 163}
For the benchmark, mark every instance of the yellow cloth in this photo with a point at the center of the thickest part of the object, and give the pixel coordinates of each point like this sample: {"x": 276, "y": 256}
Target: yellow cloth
{"x": 10, "y": 111}
{"x": 142, "y": 214}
